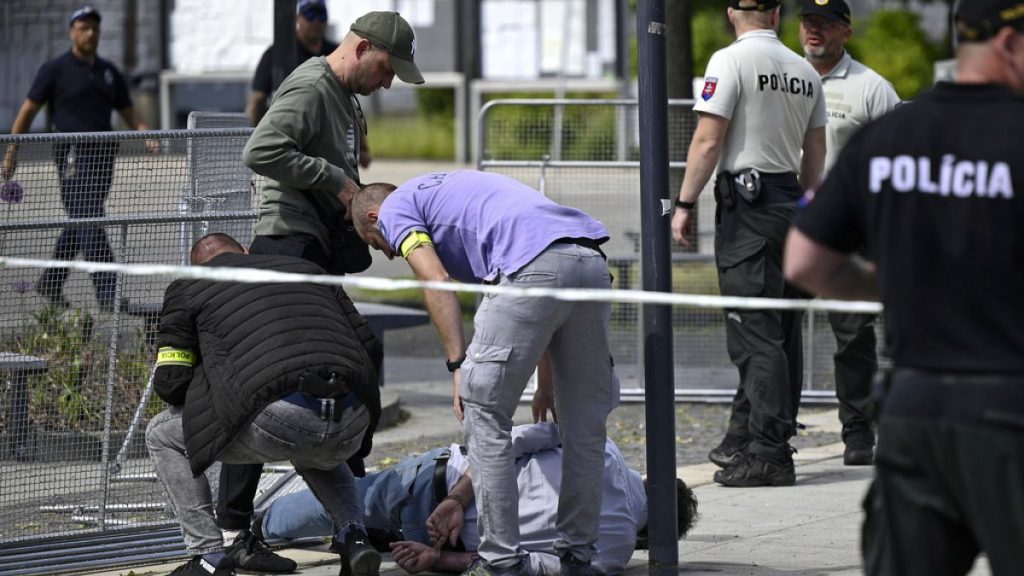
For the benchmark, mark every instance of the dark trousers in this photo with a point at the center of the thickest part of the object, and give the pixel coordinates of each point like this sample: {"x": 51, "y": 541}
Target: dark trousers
{"x": 855, "y": 365}
{"x": 949, "y": 476}
{"x": 765, "y": 345}
{"x": 86, "y": 172}
{"x": 240, "y": 482}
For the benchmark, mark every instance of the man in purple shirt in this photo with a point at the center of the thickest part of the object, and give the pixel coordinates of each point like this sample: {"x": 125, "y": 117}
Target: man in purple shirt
{"x": 479, "y": 227}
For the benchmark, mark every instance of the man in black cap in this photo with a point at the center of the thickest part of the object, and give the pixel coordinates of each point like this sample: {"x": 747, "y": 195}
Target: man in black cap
{"x": 854, "y": 96}
{"x": 81, "y": 90}
{"x": 307, "y": 145}
{"x": 933, "y": 195}
{"x": 310, "y": 41}
{"x": 762, "y": 124}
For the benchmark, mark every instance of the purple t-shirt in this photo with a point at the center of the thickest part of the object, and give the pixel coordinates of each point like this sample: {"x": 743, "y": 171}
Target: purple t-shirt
{"x": 482, "y": 224}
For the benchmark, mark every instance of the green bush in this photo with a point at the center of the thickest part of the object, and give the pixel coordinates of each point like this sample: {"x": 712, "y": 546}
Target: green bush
{"x": 526, "y": 132}
{"x": 72, "y": 393}
{"x": 894, "y": 45}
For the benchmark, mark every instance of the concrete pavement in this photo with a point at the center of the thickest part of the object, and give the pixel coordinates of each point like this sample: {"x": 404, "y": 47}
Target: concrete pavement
{"x": 810, "y": 528}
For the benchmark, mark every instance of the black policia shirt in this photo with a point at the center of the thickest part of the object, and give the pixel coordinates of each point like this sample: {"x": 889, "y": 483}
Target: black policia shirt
{"x": 933, "y": 193}
{"x": 81, "y": 96}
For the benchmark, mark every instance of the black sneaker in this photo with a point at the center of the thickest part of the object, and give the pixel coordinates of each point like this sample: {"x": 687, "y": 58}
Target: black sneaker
{"x": 570, "y": 566}
{"x": 730, "y": 452}
{"x": 250, "y": 553}
{"x": 859, "y": 452}
{"x": 358, "y": 556}
{"x": 756, "y": 470}
{"x": 199, "y": 567}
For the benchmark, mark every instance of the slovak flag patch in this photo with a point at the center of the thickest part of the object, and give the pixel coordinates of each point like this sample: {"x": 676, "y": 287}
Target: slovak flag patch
{"x": 709, "y": 88}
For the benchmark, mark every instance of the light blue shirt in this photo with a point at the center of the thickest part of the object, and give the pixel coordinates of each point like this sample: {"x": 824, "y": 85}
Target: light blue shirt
{"x": 538, "y": 454}
{"x": 482, "y": 224}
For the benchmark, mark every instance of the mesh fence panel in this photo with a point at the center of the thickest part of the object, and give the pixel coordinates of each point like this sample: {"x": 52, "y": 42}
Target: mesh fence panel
{"x": 587, "y": 156}
{"x": 76, "y": 350}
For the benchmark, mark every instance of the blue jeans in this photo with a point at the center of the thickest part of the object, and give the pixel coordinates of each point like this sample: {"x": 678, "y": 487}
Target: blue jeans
{"x": 400, "y": 498}
{"x": 511, "y": 334}
{"x": 281, "y": 431}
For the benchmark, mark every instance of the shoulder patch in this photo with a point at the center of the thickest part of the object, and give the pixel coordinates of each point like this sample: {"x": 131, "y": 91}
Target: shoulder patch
{"x": 709, "y": 88}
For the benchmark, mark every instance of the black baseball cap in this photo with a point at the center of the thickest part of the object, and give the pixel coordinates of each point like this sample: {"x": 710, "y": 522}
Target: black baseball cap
{"x": 83, "y": 13}
{"x": 759, "y": 5}
{"x": 390, "y": 31}
{"x": 834, "y": 10}
{"x": 978, "y": 20}
{"x": 312, "y": 10}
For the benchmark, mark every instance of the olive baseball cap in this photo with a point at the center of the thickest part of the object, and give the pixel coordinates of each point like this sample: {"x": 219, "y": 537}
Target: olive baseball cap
{"x": 390, "y": 31}
{"x": 978, "y": 20}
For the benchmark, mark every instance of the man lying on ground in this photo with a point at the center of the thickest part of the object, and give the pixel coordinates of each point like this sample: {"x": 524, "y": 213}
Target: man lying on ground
{"x": 410, "y": 507}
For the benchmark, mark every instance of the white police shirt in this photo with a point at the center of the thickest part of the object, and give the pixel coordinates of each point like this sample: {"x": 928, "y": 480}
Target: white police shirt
{"x": 772, "y": 97}
{"x": 538, "y": 453}
{"x": 854, "y": 96}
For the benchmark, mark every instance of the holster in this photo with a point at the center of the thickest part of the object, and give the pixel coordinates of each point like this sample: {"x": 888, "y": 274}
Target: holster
{"x": 748, "y": 184}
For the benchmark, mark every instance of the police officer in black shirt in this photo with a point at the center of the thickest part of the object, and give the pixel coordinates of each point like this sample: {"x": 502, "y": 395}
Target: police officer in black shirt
{"x": 933, "y": 195}
{"x": 310, "y": 27}
{"x": 81, "y": 89}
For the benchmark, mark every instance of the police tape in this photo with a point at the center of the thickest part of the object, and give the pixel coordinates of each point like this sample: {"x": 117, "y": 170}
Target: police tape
{"x": 254, "y": 276}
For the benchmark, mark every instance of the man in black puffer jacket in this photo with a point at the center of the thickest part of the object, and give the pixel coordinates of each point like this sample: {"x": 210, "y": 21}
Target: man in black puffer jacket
{"x": 262, "y": 373}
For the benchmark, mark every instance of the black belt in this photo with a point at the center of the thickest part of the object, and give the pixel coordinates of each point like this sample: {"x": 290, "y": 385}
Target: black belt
{"x": 441, "y": 490}
{"x": 441, "y": 477}
{"x": 326, "y": 408}
{"x": 584, "y": 242}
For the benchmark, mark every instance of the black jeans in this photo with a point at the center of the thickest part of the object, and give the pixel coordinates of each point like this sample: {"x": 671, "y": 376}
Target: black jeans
{"x": 948, "y": 476}
{"x": 86, "y": 172}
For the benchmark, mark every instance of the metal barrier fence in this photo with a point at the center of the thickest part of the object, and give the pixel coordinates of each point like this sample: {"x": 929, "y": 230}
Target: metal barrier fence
{"x": 76, "y": 351}
{"x": 585, "y": 153}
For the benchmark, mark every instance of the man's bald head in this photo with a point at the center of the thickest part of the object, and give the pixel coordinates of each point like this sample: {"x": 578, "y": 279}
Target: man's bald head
{"x": 211, "y": 245}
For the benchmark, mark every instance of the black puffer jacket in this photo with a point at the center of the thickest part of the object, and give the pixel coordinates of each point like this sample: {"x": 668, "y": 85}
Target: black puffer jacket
{"x": 253, "y": 342}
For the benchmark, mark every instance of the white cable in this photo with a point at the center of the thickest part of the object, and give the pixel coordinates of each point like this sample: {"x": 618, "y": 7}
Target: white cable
{"x": 252, "y": 275}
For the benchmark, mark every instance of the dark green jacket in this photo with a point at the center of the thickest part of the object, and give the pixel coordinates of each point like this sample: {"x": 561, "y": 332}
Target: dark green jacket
{"x": 307, "y": 145}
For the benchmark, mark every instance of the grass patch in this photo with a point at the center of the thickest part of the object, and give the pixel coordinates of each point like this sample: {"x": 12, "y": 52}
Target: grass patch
{"x": 412, "y": 297}
{"x": 420, "y": 137}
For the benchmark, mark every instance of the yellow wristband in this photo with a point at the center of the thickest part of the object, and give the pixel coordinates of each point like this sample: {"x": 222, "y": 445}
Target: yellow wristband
{"x": 168, "y": 356}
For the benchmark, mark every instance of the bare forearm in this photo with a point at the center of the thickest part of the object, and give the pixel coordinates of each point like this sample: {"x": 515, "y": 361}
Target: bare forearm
{"x": 700, "y": 165}
{"x": 447, "y": 316}
{"x": 450, "y": 561}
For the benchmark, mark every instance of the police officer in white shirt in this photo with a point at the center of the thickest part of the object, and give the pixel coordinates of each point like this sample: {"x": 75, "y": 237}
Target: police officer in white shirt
{"x": 762, "y": 123}
{"x": 854, "y": 96}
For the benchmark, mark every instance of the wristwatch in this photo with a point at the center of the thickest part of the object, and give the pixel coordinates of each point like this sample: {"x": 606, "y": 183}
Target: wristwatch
{"x": 685, "y": 205}
{"x": 454, "y": 365}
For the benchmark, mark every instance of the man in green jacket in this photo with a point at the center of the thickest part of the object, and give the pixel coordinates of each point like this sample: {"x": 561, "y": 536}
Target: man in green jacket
{"x": 307, "y": 145}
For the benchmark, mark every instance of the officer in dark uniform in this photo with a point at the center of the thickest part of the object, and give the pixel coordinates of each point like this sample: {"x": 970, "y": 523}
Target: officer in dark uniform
{"x": 762, "y": 122}
{"x": 310, "y": 27}
{"x": 81, "y": 90}
{"x": 934, "y": 195}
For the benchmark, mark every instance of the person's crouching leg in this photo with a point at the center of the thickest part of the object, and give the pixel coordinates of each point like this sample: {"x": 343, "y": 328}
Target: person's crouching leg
{"x": 190, "y": 496}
